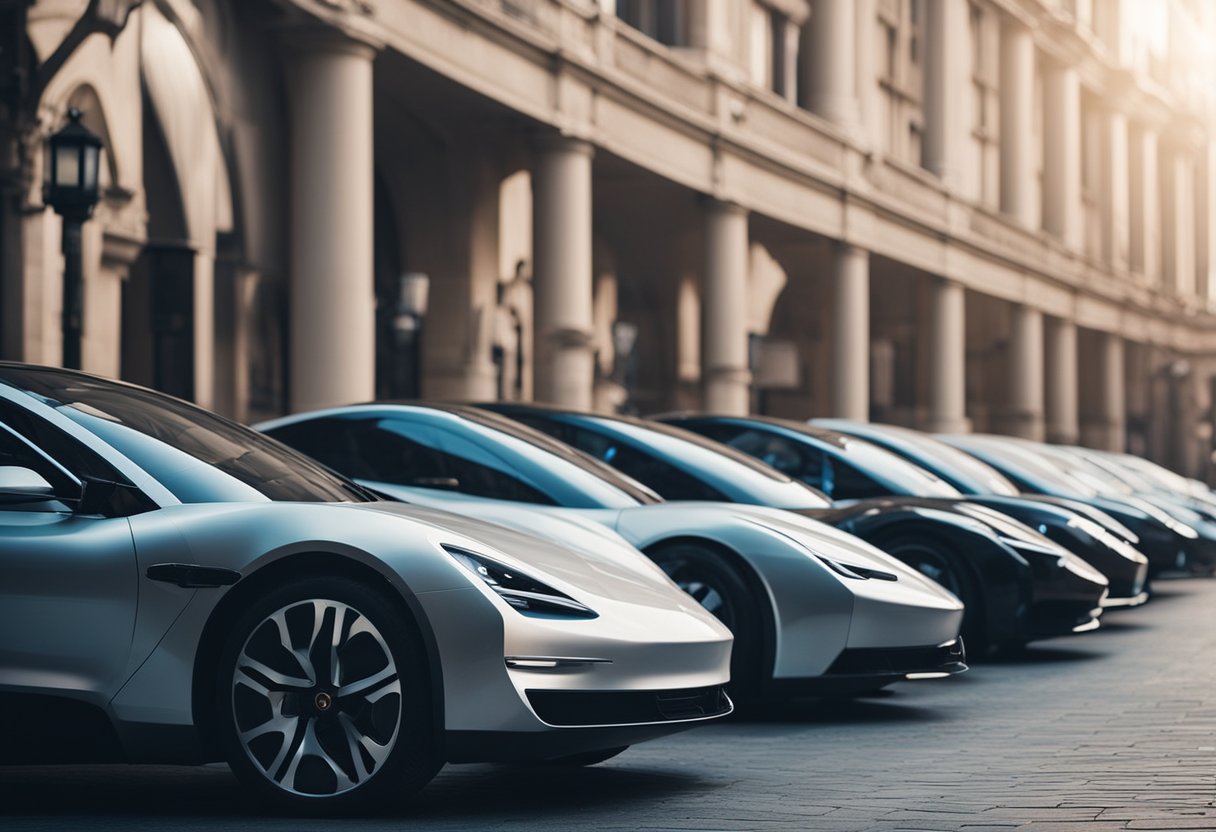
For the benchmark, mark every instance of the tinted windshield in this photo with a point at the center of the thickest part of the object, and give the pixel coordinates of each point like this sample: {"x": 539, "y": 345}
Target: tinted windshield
{"x": 902, "y": 476}
{"x": 460, "y": 450}
{"x": 678, "y": 464}
{"x": 960, "y": 469}
{"x": 1036, "y": 473}
{"x": 198, "y": 456}
{"x": 637, "y": 492}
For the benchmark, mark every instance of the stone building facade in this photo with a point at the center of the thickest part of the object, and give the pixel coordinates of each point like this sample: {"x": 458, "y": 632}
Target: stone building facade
{"x": 955, "y": 214}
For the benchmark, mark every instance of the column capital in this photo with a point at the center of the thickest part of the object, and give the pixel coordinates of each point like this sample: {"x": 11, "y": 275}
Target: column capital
{"x": 548, "y": 142}
{"x": 723, "y": 206}
{"x": 300, "y": 40}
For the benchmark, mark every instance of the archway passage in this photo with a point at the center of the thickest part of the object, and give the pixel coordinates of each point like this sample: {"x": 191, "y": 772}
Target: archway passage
{"x": 158, "y": 298}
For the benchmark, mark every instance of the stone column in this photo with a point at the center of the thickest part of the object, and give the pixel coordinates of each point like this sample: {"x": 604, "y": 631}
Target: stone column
{"x": 332, "y": 318}
{"x": 1178, "y": 222}
{"x": 851, "y": 332}
{"x": 947, "y": 63}
{"x": 947, "y": 359}
{"x": 1116, "y": 193}
{"x": 1105, "y": 426}
{"x": 869, "y": 103}
{"x": 459, "y": 331}
{"x": 1145, "y": 252}
{"x": 561, "y": 278}
{"x": 832, "y": 85}
{"x": 1026, "y": 373}
{"x": 1062, "y": 214}
{"x": 1061, "y": 372}
{"x": 1018, "y": 197}
{"x": 1205, "y": 230}
{"x": 725, "y": 376}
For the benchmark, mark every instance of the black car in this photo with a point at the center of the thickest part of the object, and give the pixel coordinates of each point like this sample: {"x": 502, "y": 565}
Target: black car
{"x": 1170, "y": 541}
{"x": 1017, "y": 585}
{"x": 847, "y": 468}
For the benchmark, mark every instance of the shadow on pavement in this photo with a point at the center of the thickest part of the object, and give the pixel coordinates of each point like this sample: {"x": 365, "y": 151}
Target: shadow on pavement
{"x": 504, "y": 792}
{"x": 1034, "y": 654}
{"x": 868, "y": 709}
{"x": 459, "y": 792}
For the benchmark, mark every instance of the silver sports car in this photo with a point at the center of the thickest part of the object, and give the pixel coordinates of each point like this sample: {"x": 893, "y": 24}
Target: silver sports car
{"x": 177, "y": 588}
{"x": 814, "y": 610}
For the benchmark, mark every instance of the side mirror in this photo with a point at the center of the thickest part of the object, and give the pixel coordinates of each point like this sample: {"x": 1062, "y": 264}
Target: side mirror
{"x": 22, "y": 485}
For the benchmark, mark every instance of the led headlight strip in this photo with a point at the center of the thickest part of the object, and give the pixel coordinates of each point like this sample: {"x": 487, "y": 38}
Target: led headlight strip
{"x": 527, "y": 595}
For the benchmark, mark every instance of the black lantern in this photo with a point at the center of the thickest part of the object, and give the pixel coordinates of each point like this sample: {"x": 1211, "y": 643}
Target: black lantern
{"x": 72, "y": 170}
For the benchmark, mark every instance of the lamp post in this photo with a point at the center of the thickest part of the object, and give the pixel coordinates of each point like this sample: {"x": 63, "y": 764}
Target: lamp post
{"x": 413, "y": 289}
{"x": 71, "y": 189}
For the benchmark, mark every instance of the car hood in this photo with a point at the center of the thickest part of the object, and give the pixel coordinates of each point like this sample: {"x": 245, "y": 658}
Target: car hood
{"x": 570, "y": 553}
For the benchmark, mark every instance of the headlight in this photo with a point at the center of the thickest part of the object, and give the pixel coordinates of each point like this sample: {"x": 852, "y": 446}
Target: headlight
{"x": 527, "y": 595}
{"x": 857, "y": 573}
{"x": 1046, "y": 561}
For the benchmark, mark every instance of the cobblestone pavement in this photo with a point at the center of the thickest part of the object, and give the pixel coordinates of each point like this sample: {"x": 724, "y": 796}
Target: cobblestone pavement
{"x": 1111, "y": 730}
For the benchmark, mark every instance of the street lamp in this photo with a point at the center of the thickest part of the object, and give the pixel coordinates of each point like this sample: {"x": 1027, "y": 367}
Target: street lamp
{"x": 413, "y": 290}
{"x": 71, "y": 189}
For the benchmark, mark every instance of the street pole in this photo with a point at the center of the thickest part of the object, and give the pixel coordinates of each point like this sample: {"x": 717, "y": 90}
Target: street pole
{"x": 73, "y": 292}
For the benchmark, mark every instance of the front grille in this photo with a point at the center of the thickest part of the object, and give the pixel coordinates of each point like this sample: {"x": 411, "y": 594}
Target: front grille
{"x": 897, "y": 661}
{"x": 577, "y": 707}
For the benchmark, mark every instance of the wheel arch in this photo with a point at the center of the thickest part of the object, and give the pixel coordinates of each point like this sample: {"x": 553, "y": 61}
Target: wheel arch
{"x": 1004, "y": 591}
{"x": 318, "y": 563}
{"x": 755, "y": 583}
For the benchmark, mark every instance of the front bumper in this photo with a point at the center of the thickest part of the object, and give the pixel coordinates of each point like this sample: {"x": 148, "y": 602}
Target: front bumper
{"x": 542, "y": 699}
{"x": 859, "y": 669}
{"x": 578, "y": 717}
{"x": 1062, "y": 617}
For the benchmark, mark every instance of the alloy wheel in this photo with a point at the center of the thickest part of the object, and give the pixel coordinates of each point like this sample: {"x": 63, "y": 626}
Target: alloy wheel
{"x": 316, "y": 698}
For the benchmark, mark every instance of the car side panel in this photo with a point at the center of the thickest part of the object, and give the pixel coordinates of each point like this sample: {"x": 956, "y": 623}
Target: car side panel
{"x": 67, "y": 603}
{"x": 812, "y": 610}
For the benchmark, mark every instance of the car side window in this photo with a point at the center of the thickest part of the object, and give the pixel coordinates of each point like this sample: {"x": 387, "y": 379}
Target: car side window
{"x": 668, "y": 481}
{"x": 852, "y": 484}
{"x": 403, "y": 452}
{"x": 72, "y": 455}
{"x": 796, "y": 460}
{"x": 332, "y": 442}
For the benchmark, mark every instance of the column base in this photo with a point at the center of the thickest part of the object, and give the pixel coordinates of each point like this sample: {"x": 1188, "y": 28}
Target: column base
{"x": 1022, "y": 425}
{"x": 946, "y": 424}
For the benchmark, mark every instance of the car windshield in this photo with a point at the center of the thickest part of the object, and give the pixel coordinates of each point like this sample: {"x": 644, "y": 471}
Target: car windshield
{"x": 589, "y": 471}
{"x": 732, "y": 472}
{"x": 960, "y": 469}
{"x": 900, "y": 475}
{"x": 1019, "y": 464}
{"x": 199, "y": 456}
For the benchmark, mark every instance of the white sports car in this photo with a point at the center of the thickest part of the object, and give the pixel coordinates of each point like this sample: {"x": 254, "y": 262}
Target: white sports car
{"x": 178, "y": 588}
{"x": 814, "y": 610}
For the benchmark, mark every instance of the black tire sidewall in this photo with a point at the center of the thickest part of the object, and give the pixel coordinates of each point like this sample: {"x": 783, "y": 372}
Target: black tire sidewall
{"x": 974, "y": 629}
{"x": 747, "y": 653}
{"x": 414, "y": 759}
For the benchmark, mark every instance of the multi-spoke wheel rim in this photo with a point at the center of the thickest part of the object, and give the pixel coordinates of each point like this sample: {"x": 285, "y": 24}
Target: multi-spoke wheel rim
{"x": 316, "y": 698}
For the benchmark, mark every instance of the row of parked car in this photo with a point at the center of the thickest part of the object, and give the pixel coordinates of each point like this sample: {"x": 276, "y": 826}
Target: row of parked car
{"x": 339, "y": 602}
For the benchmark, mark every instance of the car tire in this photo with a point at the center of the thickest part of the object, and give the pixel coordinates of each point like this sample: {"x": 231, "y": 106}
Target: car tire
{"x": 307, "y": 735}
{"x": 720, "y": 587}
{"x": 939, "y": 563}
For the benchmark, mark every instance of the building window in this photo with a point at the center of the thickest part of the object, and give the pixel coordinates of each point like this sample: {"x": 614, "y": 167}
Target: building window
{"x": 662, "y": 20}
{"x": 899, "y": 78}
{"x": 778, "y": 66}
